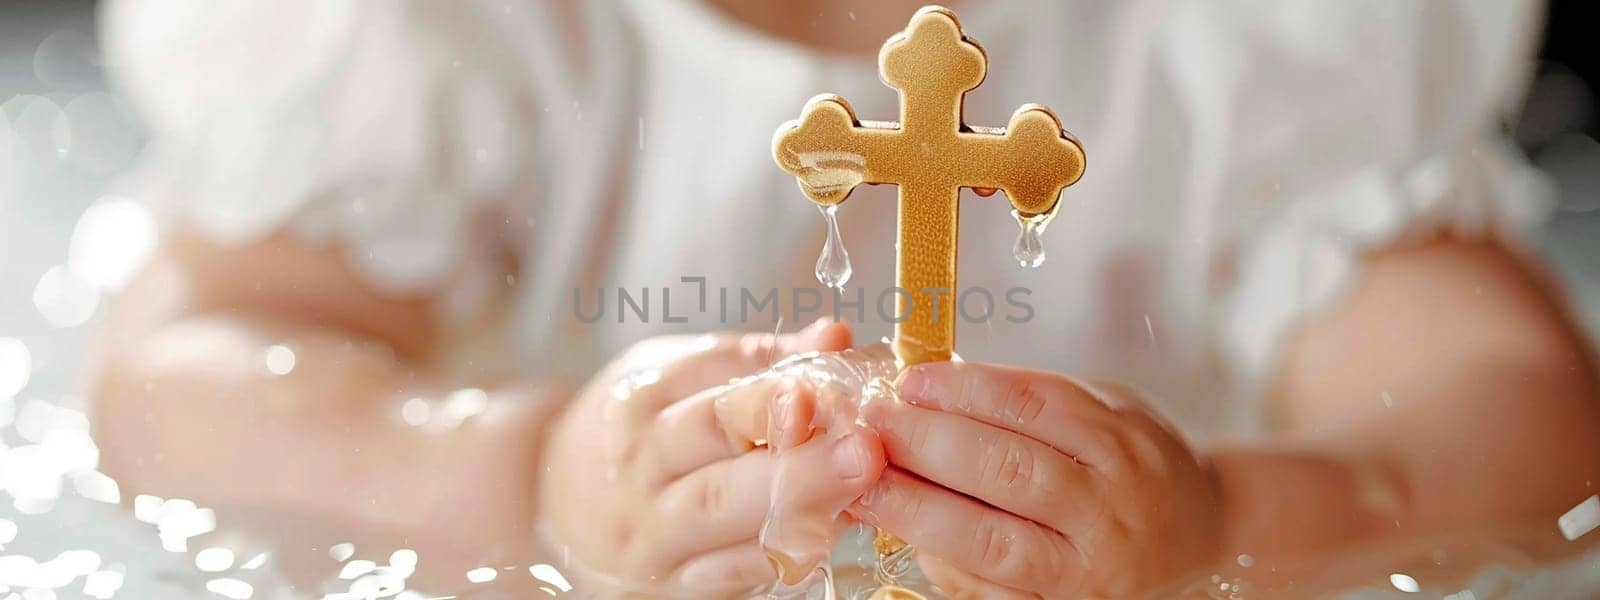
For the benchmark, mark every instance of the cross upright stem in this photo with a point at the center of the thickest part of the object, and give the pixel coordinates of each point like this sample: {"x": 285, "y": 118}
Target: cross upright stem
{"x": 926, "y": 272}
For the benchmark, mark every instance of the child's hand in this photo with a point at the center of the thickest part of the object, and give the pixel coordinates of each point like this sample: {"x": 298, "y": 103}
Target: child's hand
{"x": 653, "y": 477}
{"x": 1020, "y": 484}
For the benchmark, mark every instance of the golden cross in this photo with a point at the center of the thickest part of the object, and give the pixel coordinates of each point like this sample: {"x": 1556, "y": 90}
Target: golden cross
{"x": 931, "y": 154}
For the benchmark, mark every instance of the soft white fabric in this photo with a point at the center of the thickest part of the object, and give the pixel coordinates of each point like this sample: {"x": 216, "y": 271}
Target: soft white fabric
{"x": 1242, "y": 156}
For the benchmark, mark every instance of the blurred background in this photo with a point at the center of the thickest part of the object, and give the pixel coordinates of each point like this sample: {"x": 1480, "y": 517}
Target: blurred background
{"x": 66, "y": 244}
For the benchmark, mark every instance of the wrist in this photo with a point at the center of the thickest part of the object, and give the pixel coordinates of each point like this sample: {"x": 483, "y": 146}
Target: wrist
{"x": 1284, "y": 504}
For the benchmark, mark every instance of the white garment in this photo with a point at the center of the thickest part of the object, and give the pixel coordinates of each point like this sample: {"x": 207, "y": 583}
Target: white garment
{"x": 1242, "y": 155}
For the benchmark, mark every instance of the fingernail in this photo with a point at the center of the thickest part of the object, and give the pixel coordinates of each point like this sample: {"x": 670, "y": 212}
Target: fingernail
{"x": 913, "y": 386}
{"x": 849, "y": 459}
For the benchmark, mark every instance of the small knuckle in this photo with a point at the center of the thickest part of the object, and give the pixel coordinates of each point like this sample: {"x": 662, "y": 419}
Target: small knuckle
{"x": 1131, "y": 455}
{"x": 630, "y": 546}
{"x": 910, "y": 507}
{"x": 1023, "y": 401}
{"x": 756, "y": 346}
{"x": 630, "y": 459}
{"x": 1064, "y": 573}
{"x": 992, "y": 549}
{"x": 916, "y": 434}
{"x": 1093, "y": 531}
{"x": 973, "y": 392}
{"x": 1000, "y": 551}
{"x": 713, "y": 498}
{"x": 625, "y": 534}
{"x": 894, "y": 511}
{"x": 1010, "y": 465}
{"x": 1114, "y": 395}
{"x": 1108, "y": 454}
{"x": 1115, "y": 530}
{"x": 751, "y": 573}
{"x": 1147, "y": 455}
{"x": 1048, "y": 483}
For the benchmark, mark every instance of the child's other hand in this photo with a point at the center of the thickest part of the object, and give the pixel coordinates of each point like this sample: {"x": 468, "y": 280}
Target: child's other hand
{"x": 653, "y": 478}
{"x": 1021, "y": 484}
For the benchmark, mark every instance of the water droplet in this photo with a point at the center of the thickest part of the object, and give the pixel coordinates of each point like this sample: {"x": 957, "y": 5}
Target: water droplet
{"x": 1582, "y": 519}
{"x": 463, "y": 404}
{"x": 231, "y": 588}
{"x": 828, "y": 177}
{"x": 1404, "y": 583}
{"x": 16, "y": 366}
{"x": 255, "y": 562}
{"x": 416, "y": 412}
{"x": 342, "y": 551}
{"x": 64, "y": 298}
{"x": 1029, "y": 249}
{"x": 214, "y": 560}
{"x": 833, "y": 265}
{"x": 279, "y": 359}
{"x": 549, "y": 574}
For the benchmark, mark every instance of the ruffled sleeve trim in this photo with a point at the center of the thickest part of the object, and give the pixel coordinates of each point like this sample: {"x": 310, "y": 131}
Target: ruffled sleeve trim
{"x": 1309, "y": 254}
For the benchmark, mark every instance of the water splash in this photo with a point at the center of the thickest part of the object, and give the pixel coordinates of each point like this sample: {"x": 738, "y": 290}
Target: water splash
{"x": 833, "y": 265}
{"x": 820, "y": 579}
{"x": 1029, "y": 249}
{"x": 799, "y": 536}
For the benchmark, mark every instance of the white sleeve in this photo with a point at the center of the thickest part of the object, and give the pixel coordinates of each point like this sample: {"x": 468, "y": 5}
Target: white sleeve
{"x": 383, "y": 125}
{"x": 1352, "y": 126}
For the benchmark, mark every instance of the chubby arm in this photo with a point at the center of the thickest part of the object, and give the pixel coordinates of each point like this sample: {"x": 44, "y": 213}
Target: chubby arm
{"x": 1447, "y": 410}
{"x": 184, "y": 405}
